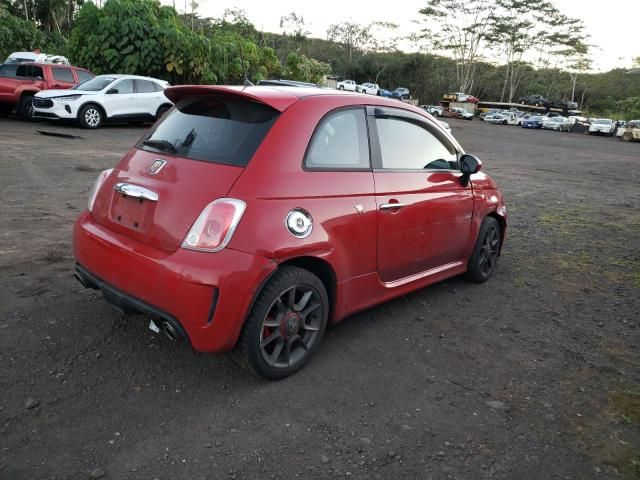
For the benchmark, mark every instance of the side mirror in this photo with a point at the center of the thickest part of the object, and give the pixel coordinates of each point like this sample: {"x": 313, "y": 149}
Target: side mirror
{"x": 112, "y": 91}
{"x": 470, "y": 164}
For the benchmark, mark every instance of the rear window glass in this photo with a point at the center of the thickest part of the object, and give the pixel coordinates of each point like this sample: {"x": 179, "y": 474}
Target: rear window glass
{"x": 63, "y": 74}
{"x": 217, "y": 130}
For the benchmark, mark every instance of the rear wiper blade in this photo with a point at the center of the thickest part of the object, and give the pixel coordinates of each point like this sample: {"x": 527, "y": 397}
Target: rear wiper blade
{"x": 163, "y": 145}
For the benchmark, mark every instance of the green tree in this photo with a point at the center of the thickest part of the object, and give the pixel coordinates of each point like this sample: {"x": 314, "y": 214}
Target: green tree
{"x": 351, "y": 37}
{"x": 459, "y": 28}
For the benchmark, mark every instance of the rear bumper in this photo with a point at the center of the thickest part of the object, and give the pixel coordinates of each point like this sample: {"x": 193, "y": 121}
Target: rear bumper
{"x": 206, "y": 296}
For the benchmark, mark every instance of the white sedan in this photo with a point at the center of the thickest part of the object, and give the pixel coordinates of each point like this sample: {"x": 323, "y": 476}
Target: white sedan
{"x": 127, "y": 98}
{"x": 602, "y": 125}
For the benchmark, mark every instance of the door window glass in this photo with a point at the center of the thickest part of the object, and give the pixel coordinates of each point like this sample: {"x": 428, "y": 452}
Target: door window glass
{"x": 125, "y": 86}
{"x": 406, "y": 145}
{"x": 63, "y": 74}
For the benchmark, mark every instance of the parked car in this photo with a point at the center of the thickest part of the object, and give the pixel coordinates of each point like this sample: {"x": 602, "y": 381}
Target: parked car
{"x": 561, "y": 124}
{"x": 537, "y": 100}
{"x": 232, "y": 237}
{"x": 534, "y": 121}
{"x": 348, "y": 85}
{"x": 368, "y": 88}
{"x": 385, "y": 93}
{"x": 17, "y": 92}
{"x": 456, "y": 112}
{"x": 401, "y": 93}
{"x": 105, "y": 98}
{"x": 602, "y": 125}
{"x": 564, "y": 105}
{"x": 37, "y": 57}
{"x": 522, "y": 118}
{"x": 491, "y": 111}
{"x": 504, "y": 118}
{"x": 630, "y": 132}
{"x": 463, "y": 97}
{"x": 460, "y": 97}
{"x": 436, "y": 110}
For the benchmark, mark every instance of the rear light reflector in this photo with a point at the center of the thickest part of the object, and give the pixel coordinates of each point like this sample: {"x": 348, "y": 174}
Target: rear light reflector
{"x": 93, "y": 193}
{"x": 213, "y": 229}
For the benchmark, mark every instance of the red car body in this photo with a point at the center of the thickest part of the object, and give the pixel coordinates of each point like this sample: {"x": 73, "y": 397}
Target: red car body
{"x": 363, "y": 254}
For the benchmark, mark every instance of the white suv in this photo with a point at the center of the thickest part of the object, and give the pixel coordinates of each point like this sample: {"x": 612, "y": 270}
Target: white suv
{"x": 127, "y": 98}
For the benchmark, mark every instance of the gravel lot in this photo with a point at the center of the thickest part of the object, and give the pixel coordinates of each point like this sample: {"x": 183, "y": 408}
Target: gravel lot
{"x": 534, "y": 374}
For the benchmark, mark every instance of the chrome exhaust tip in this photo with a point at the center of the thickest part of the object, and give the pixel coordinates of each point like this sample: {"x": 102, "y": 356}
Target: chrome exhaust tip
{"x": 170, "y": 331}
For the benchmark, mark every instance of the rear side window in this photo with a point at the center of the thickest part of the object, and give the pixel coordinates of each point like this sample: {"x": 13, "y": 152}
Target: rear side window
{"x": 212, "y": 129}
{"x": 63, "y": 74}
{"x": 340, "y": 142}
{"x": 83, "y": 76}
{"x": 144, "y": 86}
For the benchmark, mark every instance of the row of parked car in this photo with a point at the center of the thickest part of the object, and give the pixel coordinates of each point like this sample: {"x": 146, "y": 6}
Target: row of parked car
{"x": 559, "y": 123}
{"x": 58, "y": 91}
{"x": 401, "y": 93}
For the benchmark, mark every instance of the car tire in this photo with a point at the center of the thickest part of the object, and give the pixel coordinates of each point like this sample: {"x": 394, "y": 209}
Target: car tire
{"x": 627, "y": 136}
{"x": 485, "y": 252}
{"x": 162, "y": 109}
{"x": 341, "y": 87}
{"x": 25, "y": 110}
{"x": 90, "y": 116}
{"x": 273, "y": 348}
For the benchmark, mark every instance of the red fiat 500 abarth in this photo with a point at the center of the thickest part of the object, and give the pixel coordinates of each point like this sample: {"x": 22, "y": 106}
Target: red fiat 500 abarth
{"x": 247, "y": 219}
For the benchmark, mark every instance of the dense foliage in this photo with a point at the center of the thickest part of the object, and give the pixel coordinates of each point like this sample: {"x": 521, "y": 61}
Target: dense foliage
{"x": 143, "y": 37}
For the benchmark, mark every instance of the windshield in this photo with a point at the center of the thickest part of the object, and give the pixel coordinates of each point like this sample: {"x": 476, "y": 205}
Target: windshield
{"x": 95, "y": 84}
{"x": 536, "y": 118}
{"x": 212, "y": 129}
{"x": 602, "y": 121}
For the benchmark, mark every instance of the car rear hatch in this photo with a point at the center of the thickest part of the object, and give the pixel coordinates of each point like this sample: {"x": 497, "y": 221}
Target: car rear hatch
{"x": 191, "y": 157}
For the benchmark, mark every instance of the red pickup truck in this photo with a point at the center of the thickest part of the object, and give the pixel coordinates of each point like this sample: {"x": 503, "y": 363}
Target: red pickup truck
{"x": 30, "y": 78}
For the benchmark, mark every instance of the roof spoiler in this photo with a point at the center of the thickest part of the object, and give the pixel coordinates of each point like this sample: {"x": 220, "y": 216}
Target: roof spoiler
{"x": 276, "y": 99}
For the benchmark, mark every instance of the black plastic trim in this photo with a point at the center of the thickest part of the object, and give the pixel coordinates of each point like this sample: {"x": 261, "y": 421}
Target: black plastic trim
{"x": 126, "y": 303}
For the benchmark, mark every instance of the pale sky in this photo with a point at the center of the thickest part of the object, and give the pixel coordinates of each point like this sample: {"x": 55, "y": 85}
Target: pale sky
{"x": 613, "y": 26}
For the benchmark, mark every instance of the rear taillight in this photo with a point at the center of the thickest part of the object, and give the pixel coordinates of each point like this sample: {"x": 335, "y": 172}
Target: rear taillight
{"x": 93, "y": 193}
{"x": 213, "y": 229}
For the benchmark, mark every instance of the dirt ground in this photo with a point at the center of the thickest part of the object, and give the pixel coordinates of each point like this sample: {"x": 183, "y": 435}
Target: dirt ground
{"x": 534, "y": 374}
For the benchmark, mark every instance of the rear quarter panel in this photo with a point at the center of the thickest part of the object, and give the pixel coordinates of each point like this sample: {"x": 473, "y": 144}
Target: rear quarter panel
{"x": 275, "y": 182}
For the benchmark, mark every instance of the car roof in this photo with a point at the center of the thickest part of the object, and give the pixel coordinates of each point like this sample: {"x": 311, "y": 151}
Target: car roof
{"x": 279, "y": 98}
{"x": 133, "y": 77}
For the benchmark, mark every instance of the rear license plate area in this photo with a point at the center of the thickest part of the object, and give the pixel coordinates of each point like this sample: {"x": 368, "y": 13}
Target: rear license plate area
{"x": 131, "y": 212}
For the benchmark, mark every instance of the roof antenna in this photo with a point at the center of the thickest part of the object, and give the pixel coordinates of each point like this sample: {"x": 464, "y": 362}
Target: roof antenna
{"x": 246, "y": 82}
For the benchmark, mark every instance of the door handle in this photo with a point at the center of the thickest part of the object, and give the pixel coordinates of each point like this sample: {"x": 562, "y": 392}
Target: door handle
{"x": 135, "y": 191}
{"x": 392, "y": 206}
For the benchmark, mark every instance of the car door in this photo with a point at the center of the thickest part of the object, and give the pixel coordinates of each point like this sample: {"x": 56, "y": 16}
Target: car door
{"x": 62, "y": 77}
{"x": 424, "y": 210}
{"x": 149, "y": 97}
{"x": 119, "y": 99}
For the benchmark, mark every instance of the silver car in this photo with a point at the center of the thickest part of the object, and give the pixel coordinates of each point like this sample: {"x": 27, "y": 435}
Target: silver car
{"x": 560, "y": 124}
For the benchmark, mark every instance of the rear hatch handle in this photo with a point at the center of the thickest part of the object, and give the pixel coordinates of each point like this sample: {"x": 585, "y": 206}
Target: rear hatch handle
{"x": 135, "y": 191}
